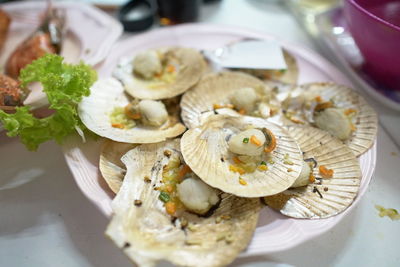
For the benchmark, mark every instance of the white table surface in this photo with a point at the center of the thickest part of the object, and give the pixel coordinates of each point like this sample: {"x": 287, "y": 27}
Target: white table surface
{"x": 46, "y": 221}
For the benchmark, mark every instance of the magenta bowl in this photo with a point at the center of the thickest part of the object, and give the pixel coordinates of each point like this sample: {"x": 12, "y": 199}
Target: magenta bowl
{"x": 375, "y": 27}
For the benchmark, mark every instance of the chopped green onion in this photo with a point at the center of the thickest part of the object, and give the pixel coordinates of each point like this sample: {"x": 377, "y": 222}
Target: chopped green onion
{"x": 263, "y": 163}
{"x": 245, "y": 140}
{"x": 164, "y": 197}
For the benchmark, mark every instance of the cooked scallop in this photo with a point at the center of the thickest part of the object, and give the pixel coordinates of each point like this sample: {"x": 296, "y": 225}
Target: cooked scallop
{"x": 334, "y": 121}
{"x": 147, "y": 64}
{"x": 196, "y": 195}
{"x": 245, "y": 99}
{"x": 153, "y": 112}
{"x": 240, "y": 143}
{"x": 304, "y": 178}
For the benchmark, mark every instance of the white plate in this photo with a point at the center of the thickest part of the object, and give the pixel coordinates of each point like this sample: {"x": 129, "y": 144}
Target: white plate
{"x": 274, "y": 231}
{"x": 90, "y": 32}
{"x": 89, "y": 37}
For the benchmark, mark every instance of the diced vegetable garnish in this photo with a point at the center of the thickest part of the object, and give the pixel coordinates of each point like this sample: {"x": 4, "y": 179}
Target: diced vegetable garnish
{"x": 164, "y": 197}
{"x": 325, "y": 172}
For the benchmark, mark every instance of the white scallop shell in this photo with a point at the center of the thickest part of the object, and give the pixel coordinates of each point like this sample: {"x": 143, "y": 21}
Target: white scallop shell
{"x": 205, "y": 150}
{"x": 147, "y": 234}
{"x": 342, "y": 188}
{"x": 191, "y": 67}
{"x": 365, "y": 121}
{"x": 215, "y": 88}
{"x": 107, "y": 94}
{"x": 111, "y": 167}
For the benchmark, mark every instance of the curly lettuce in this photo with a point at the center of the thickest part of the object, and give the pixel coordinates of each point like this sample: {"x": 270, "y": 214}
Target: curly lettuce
{"x": 65, "y": 85}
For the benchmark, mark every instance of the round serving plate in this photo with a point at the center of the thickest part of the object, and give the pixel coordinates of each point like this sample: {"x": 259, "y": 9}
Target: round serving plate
{"x": 274, "y": 232}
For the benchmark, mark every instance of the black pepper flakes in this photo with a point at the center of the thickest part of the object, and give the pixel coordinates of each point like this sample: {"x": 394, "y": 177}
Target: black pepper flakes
{"x": 138, "y": 202}
{"x": 147, "y": 179}
{"x": 326, "y": 189}
{"x": 167, "y": 153}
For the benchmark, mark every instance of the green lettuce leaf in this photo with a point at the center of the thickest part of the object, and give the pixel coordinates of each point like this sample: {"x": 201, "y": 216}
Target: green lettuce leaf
{"x": 65, "y": 85}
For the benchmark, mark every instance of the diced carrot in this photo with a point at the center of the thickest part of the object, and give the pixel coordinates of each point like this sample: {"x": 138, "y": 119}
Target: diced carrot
{"x": 129, "y": 114}
{"x": 183, "y": 171}
{"x": 242, "y": 111}
{"x": 318, "y": 99}
{"x": 237, "y": 169}
{"x": 325, "y": 172}
{"x": 170, "y": 207}
{"x": 254, "y": 140}
{"x": 169, "y": 188}
{"x": 118, "y": 125}
{"x": 170, "y": 68}
{"x": 322, "y": 106}
{"x": 349, "y": 111}
{"x": 236, "y": 160}
{"x": 263, "y": 167}
{"x": 296, "y": 121}
{"x": 311, "y": 178}
{"x": 217, "y": 106}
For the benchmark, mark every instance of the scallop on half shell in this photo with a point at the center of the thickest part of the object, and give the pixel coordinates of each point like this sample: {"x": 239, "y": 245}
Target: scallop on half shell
{"x": 111, "y": 167}
{"x": 205, "y": 150}
{"x": 188, "y": 64}
{"x": 364, "y": 119}
{"x": 105, "y": 96}
{"x": 325, "y": 197}
{"x": 216, "y": 88}
{"x": 147, "y": 233}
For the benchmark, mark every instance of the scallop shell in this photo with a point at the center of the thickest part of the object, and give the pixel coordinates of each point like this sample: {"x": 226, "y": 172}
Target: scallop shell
{"x": 191, "y": 67}
{"x": 276, "y": 77}
{"x": 107, "y": 94}
{"x": 197, "y": 104}
{"x": 111, "y": 167}
{"x": 205, "y": 150}
{"x": 305, "y": 202}
{"x": 147, "y": 234}
{"x": 366, "y": 120}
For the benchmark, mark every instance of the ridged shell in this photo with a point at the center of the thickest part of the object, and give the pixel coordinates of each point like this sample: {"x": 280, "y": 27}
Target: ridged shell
{"x": 305, "y": 202}
{"x": 111, "y": 167}
{"x": 197, "y": 103}
{"x": 107, "y": 94}
{"x": 274, "y": 77}
{"x": 192, "y": 66}
{"x": 205, "y": 150}
{"x": 366, "y": 120}
{"x": 147, "y": 234}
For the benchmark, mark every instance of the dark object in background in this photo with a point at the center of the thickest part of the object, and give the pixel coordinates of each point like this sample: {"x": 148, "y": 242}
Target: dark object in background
{"x": 137, "y": 15}
{"x": 178, "y": 11}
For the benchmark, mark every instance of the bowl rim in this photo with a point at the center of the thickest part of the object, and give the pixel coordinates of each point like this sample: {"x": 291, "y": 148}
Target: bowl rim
{"x": 372, "y": 16}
